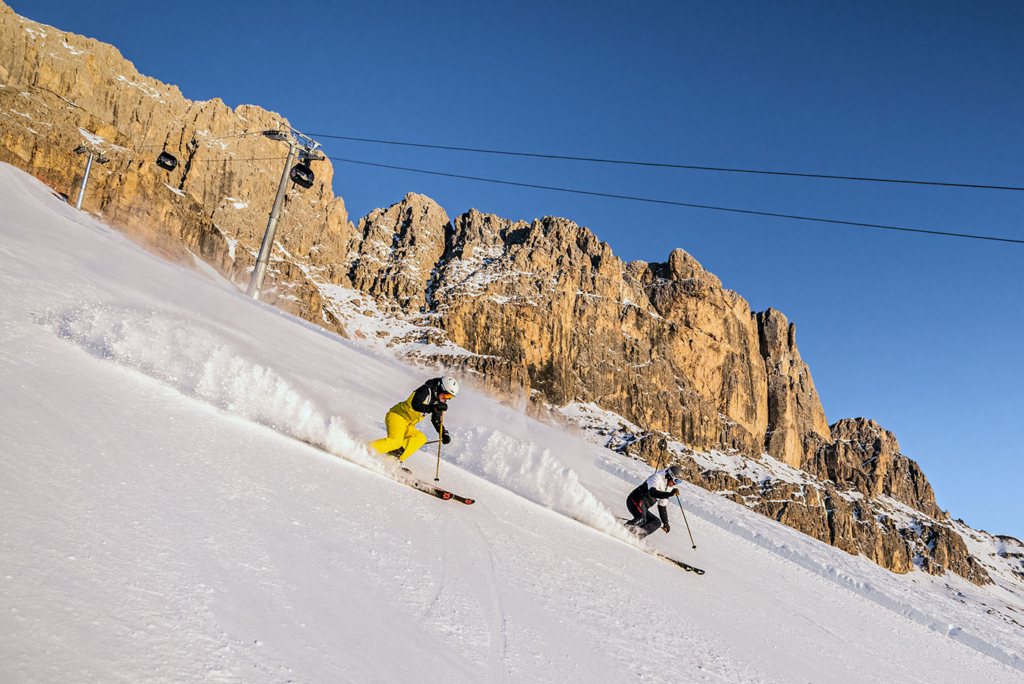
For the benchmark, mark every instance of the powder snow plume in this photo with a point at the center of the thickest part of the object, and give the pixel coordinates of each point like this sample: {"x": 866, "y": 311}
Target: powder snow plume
{"x": 199, "y": 363}
{"x": 521, "y": 466}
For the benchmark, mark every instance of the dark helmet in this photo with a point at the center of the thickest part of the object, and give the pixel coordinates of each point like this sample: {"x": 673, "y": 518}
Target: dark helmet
{"x": 674, "y": 475}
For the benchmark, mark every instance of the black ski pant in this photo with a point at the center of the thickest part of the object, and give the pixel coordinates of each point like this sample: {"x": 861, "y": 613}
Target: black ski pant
{"x": 644, "y": 520}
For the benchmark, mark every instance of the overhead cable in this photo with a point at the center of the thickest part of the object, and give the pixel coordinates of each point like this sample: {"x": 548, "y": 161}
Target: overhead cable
{"x": 535, "y": 155}
{"x": 680, "y": 204}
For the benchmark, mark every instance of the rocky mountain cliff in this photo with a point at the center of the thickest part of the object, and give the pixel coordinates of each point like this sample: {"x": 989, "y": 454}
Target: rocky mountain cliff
{"x": 540, "y": 312}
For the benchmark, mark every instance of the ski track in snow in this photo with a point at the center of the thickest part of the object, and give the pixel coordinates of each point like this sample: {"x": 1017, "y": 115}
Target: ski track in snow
{"x": 162, "y": 539}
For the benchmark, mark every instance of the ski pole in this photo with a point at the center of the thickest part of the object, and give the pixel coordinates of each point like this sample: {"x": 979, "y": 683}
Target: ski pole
{"x": 437, "y": 475}
{"x": 685, "y": 520}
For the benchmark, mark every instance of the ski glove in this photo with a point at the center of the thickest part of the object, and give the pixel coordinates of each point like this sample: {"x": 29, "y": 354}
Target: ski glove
{"x": 674, "y": 492}
{"x": 666, "y": 527}
{"x": 441, "y": 406}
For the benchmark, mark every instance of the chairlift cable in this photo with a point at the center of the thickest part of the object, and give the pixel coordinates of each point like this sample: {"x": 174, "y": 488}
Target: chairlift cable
{"x": 694, "y": 167}
{"x": 682, "y": 204}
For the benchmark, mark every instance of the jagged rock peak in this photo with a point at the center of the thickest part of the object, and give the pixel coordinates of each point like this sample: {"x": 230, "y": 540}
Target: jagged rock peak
{"x": 395, "y": 250}
{"x": 478, "y": 237}
{"x": 681, "y": 265}
{"x": 778, "y": 335}
{"x": 869, "y": 456}
{"x": 414, "y": 213}
{"x": 865, "y": 431}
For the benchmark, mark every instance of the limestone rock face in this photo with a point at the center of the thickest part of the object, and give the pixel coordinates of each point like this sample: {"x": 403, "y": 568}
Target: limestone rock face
{"x": 794, "y": 408}
{"x": 948, "y": 551}
{"x": 397, "y": 248}
{"x": 868, "y": 457}
{"x": 710, "y": 339}
{"x": 662, "y": 344}
{"x": 857, "y": 528}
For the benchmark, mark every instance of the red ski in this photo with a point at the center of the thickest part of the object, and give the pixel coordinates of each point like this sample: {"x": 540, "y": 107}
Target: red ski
{"x": 422, "y": 486}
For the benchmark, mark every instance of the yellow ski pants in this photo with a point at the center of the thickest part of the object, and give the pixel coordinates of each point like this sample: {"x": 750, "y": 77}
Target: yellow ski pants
{"x": 402, "y": 434}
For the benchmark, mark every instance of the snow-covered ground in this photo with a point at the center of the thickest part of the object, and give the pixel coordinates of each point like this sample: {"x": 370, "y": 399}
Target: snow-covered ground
{"x": 161, "y": 523}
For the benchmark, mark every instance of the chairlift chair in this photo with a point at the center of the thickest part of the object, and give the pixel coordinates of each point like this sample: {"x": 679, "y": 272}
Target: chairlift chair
{"x": 302, "y": 175}
{"x": 167, "y": 161}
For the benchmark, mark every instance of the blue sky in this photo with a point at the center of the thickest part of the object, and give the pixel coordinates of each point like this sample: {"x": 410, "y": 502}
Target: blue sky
{"x": 921, "y": 333}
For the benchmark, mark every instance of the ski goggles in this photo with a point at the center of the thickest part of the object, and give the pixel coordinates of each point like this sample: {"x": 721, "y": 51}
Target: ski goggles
{"x": 674, "y": 480}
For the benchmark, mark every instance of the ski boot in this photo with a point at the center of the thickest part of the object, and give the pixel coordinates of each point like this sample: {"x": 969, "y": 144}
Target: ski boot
{"x": 397, "y": 453}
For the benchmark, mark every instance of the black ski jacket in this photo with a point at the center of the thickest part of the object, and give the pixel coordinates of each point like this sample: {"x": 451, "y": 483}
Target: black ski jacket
{"x": 649, "y": 497}
{"x": 426, "y": 399}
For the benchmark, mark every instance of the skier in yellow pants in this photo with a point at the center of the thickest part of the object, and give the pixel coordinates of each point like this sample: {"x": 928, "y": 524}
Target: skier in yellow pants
{"x": 403, "y": 438}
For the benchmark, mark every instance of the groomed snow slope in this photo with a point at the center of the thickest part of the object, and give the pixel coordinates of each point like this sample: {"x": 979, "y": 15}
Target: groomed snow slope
{"x": 160, "y": 523}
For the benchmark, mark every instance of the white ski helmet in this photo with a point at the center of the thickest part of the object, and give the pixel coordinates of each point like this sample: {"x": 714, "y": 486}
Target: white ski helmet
{"x": 450, "y": 385}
